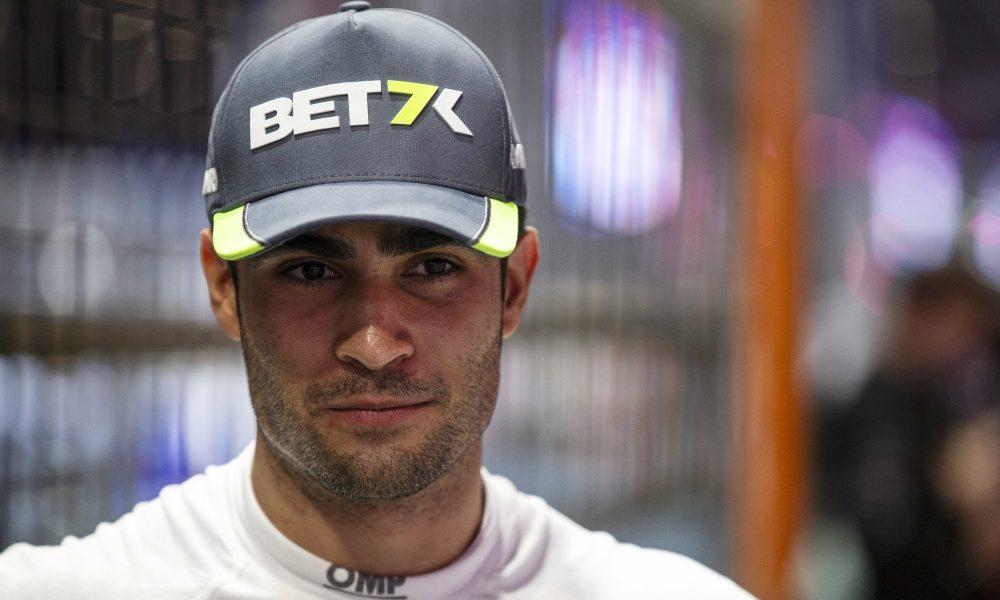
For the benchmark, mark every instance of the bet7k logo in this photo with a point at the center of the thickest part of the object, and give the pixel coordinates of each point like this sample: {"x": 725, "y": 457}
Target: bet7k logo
{"x": 276, "y": 119}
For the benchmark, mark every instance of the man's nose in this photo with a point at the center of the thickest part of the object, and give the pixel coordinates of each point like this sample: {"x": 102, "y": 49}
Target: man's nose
{"x": 378, "y": 337}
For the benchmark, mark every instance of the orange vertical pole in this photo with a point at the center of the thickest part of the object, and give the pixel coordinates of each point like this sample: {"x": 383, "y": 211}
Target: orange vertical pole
{"x": 771, "y": 463}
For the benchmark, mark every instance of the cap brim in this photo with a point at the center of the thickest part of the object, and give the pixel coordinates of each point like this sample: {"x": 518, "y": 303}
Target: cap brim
{"x": 485, "y": 224}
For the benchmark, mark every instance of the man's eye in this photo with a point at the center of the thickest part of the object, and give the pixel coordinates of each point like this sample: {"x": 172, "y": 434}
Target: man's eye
{"x": 434, "y": 267}
{"x": 310, "y": 271}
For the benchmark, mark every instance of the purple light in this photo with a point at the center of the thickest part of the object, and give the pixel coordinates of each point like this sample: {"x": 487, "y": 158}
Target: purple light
{"x": 915, "y": 189}
{"x": 616, "y": 134}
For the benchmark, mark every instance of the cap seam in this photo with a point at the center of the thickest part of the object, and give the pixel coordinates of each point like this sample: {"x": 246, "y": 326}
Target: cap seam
{"x": 486, "y": 222}
{"x": 356, "y": 26}
{"x": 250, "y": 233}
{"x": 351, "y": 19}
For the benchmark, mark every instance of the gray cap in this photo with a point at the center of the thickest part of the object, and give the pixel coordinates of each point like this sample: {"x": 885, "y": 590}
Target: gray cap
{"x": 367, "y": 114}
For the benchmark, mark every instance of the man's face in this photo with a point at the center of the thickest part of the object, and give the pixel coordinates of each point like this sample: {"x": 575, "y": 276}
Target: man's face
{"x": 372, "y": 353}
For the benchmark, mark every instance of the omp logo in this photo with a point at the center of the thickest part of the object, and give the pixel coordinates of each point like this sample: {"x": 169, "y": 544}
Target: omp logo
{"x": 364, "y": 585}
{"x": 312, "y": 109}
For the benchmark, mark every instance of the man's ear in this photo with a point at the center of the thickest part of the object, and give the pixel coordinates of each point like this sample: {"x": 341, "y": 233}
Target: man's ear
{"x": 520, "y": 269}
{"x": 221, "y": 288}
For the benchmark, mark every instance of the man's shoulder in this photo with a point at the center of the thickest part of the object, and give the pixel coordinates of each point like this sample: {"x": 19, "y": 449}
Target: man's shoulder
{"x": 50, "y": 573}
{"x": 552, "y": 556}
{"x": 628, "y": 571}
{"x": 160, "y": 547}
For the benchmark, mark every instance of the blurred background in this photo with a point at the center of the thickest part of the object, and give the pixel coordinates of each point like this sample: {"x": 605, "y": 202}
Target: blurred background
{"x": 764, "y": 328}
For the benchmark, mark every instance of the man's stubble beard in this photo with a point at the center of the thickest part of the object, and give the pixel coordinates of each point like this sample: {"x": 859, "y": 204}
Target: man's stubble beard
{"x": 381, "y": 469}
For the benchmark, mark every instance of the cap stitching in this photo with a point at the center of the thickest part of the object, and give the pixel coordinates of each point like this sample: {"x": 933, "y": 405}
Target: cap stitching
{"x": 250, "y": 232}
{"x": 486, "y": 222}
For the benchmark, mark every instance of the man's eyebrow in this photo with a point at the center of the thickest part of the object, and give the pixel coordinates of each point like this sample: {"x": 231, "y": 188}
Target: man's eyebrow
{"x": 400, "y": 240}
{"x": 319, "y": 245}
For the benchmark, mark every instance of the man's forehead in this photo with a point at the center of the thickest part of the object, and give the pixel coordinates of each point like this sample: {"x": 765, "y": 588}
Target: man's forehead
{"x": 343, "y": 240}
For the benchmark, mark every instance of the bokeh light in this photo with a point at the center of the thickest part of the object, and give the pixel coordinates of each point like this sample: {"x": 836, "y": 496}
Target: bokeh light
{"x": 615, "y": 118}
{"x": 915, "y": 189}
{"x": 831, "y": 152}
{"x": 985, "y": 227}
{"x": 866, "y": 280}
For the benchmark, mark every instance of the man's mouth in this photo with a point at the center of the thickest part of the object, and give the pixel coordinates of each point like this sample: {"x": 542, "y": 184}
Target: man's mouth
{"x": 376, "y": 403}
{"x": 377, "y": 412}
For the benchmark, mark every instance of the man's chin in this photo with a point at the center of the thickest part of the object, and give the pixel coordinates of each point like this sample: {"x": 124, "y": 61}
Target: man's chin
{"x": 370, "y": 480}
{"x": 379, "y": 465}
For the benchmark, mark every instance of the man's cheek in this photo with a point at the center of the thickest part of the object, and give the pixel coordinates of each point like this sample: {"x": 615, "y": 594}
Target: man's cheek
{"x": 289, "y": 347}
{"x": 467, "y": 315}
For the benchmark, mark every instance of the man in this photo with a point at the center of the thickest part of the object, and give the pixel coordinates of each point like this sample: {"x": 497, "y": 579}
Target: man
{"x": 365, "y": 187}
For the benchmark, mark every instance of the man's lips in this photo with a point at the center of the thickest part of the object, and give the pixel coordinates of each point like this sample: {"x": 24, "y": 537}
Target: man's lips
{"x": 377, "y": 412}
{"x": 388, "y": 403}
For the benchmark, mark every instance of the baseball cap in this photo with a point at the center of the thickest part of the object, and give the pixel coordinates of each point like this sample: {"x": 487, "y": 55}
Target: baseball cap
{"x": 365, "y": 114}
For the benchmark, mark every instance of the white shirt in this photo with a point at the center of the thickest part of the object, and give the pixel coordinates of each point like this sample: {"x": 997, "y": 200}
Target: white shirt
{"x": 208, "y": 539}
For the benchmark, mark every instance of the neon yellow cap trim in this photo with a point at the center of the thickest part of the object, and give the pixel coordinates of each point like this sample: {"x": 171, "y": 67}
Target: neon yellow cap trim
{"x": 500, "y": 237}
{"x": 420, "y": 95}
{"x": 230, "y": 238}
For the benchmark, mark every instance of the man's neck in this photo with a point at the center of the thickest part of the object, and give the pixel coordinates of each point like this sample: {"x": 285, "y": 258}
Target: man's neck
{"x": 407, "y": 536}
